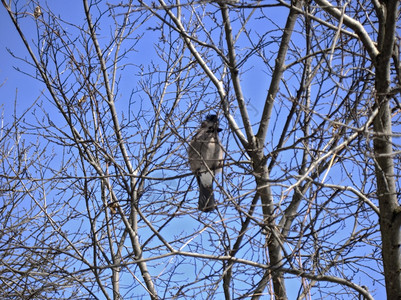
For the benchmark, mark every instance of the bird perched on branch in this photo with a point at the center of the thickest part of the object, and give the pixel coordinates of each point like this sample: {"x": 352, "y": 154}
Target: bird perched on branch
{"x": 38, "y": 12}
{"x": 205, "y": 155}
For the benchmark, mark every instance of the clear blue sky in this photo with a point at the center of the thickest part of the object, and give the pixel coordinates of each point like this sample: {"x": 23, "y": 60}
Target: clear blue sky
{"x": 15, "y": 83}
{"x": 27, "y": 90}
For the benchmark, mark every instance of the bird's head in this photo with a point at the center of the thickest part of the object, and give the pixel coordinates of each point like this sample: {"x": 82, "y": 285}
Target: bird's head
{"x": 212, "y": 124}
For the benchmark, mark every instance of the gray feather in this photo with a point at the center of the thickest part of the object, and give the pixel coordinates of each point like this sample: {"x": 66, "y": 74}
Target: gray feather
{"x": 205, "y": 154}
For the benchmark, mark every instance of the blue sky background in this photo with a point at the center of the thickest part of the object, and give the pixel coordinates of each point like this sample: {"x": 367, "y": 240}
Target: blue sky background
{"x": 28, "y": 90}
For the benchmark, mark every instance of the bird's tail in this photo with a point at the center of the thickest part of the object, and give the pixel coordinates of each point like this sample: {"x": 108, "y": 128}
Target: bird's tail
{"x": 206, "y": 196}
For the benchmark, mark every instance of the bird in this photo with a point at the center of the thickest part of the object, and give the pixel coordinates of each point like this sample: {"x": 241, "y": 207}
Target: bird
{"x": 205, "y": 156}
{"x": 38, "y": 12}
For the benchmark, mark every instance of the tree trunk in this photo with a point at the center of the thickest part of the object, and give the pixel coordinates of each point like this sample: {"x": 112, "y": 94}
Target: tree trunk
{"x": 384, "y": 156}
{"x": 273, "y": 244}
